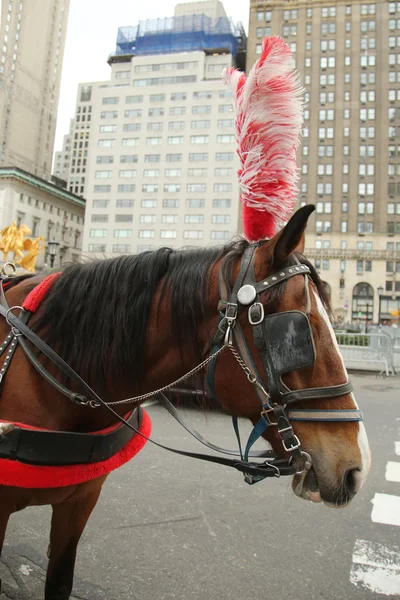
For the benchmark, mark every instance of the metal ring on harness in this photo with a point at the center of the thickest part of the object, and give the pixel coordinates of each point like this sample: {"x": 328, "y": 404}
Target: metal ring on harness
{"x": 15, "y": 331}
{"x": 13, "y": 269}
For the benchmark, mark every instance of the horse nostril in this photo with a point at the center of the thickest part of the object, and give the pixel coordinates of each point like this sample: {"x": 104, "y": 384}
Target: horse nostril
{"x": 350, "y": 481}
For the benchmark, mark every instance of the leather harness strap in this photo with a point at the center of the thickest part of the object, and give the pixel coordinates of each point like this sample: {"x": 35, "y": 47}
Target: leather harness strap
{"x": 57, "y": 448}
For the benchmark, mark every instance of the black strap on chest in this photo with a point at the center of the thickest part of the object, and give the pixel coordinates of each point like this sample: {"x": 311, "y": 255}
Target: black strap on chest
{"x": 60, "y": 448}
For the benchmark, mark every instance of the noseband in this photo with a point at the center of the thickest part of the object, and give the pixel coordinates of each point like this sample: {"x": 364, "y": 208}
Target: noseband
{"x": 285, "y": 343}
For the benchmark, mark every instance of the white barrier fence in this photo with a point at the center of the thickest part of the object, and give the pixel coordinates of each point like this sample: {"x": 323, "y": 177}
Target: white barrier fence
{"x": 372, "y": 351}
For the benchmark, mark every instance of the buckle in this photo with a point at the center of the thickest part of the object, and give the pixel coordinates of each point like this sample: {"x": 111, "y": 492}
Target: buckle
{"x": 264, "y": 413}
{"x": 231, "y": 311}
{"x": 258, "y": 320}
{"x": 292, "y": 446}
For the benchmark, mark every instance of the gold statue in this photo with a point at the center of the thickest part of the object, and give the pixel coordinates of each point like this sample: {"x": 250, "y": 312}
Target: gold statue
{"x": 13, "y": 239}
{"x": 8, "y": 239}
{"x": 28, "y": 261}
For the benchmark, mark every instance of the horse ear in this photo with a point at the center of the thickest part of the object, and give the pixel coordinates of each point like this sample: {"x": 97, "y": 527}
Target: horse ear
{"x": 291, "y": 237}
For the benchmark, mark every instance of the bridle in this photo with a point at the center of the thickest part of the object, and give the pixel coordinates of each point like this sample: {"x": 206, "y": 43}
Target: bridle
{"x": 285, "y": 343}
{"x": 274, "y": 398}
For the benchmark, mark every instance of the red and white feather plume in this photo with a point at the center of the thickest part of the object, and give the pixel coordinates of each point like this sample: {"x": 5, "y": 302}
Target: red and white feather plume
{"x": 269, "y": 116}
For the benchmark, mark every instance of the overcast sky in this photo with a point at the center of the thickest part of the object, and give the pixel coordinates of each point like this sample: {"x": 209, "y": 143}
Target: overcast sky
{"x": 91, "y": 36}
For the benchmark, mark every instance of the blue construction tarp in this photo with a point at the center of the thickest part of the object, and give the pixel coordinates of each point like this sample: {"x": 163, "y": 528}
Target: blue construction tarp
{"x": 180, "y": 34}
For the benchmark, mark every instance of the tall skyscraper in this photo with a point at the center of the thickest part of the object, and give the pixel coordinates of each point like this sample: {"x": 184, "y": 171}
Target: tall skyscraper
{"x": 348, "y": 56}
{"x": 153, "y": 149}
{"x": 32, "y": 35}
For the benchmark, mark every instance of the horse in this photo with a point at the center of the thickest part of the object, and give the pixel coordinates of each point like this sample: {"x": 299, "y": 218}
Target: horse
{"x": 134, "y": 323}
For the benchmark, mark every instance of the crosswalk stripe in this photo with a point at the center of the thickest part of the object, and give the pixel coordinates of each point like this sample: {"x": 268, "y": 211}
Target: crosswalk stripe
{"x": 376, "y": 568}
{"x": 393, "y": 471}
{"x": 397, "y": 448}
{"x": 386, "y": 509}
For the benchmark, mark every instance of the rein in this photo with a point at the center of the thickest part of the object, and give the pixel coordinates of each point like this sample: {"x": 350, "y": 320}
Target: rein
{"x": 229, "y": 335}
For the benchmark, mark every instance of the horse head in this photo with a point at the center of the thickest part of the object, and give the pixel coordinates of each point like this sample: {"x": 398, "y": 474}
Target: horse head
{"x": 293, "y": 347}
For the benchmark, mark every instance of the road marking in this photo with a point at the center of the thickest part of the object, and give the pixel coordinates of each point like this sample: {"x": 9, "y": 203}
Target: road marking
{"x": 393, "y": 471}
{"x": 397, "y": 448}
{"x": 386, "y": 509}
{"x": 376, "y": 568}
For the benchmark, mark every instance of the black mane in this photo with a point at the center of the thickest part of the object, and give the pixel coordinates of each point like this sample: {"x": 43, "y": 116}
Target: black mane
{"x": 95, "y": 316}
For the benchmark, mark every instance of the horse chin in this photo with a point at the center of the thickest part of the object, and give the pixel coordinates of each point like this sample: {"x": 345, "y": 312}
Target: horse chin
{"x": 305, "y": 486}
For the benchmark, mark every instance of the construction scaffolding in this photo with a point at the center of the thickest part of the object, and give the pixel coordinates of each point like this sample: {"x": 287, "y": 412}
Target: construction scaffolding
{"x": 181, "y": 34}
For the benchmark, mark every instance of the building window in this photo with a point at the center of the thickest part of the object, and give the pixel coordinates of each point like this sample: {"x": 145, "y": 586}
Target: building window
{"x": 177, "y": 110}
{"x": 169, "y": 219}
{"x": 201, "y": 109}
{"x": 106, "y": 143}
{"x": 131, "y": 141}
{"x": 196, "y": 187}
{"x": 133, "y": 99}
{"x": 168, "y": 234}
{"x": 178, "y": 96}
{"x": 147, "y": 219}
{"x": 107, "y": 128}
{"x": 156, "y": 112}
{"x": 123, "y": 233}
{"x": 176, "y": 157}
{"x": 225, "y": 139}
{"x": 170, "y": 203}
{"x": 128, "y": 158}
{"x": 194, "y": 218}
{"x": 111, "y": 100}
{"x": 122, "y": 203}
{"x": 148, "y": 203}
{"x": 126, "y": 188}
{"x": 172, "y": 187}
{"x": 146, "y": 233}
{"x": 98, "y": 233}
{"x": 176, "y": 125}
{"x": 121, "y": 248}
{"x": 155, "y": 126}
{"x": 103, "y": 174}
{"x": 102, "y": 189}
{"x": 175, "y": 139}
{"x": 199, "y": 139}
{"x": 109, "y": 114}
{"x": 173, "y": 172}
{"x": 193, "y": 235}
{"x": 195, "y": 203}
{"x": 222, "y": 187}
{"x": 152, "y": 141}
{"x": 150, "y": 188}
{"x": 127, "y": 173}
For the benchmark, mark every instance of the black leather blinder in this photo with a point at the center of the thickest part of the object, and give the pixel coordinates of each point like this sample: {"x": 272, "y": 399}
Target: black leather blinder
{"x": 288, "y": 340}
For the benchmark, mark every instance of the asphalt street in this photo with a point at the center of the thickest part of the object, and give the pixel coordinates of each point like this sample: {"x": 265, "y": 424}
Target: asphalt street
{"x": 168, "y": 527}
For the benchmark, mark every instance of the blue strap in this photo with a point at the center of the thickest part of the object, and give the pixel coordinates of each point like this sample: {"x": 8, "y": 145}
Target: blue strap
{"x": 257, "y": 432}
{"x": 211, "y": 371}
{"x": 236, "y": 428}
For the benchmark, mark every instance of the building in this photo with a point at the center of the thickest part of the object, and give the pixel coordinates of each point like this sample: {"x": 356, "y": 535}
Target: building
{"x": 348, "y": 56}
{"x": 153, "y": 148}
{"x": 32, "y": 46}
{"x": 47, "y": 209}
{"x": 62, "y": 158}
